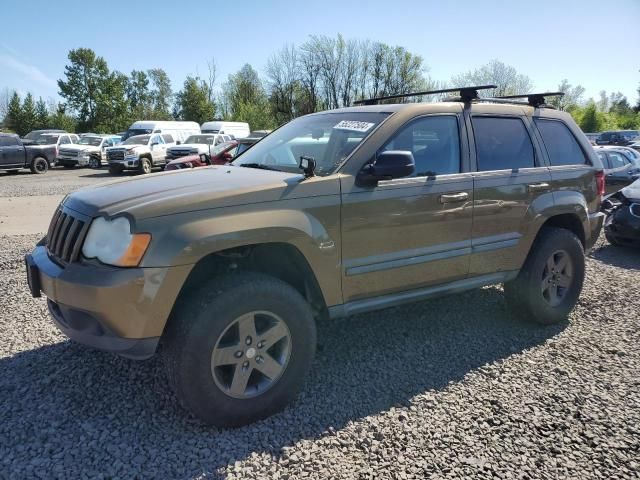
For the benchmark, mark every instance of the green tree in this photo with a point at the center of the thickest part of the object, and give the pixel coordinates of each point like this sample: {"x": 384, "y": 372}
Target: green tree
{"x": 86, "y": 85}
{"x": 139, "y": 95}
{"x": 246, "y": 100}
{"x": 590, "y": 122}
{"x": 192, "y": 102}
{"x": 28, "y": 114}
{"x": 60, "y": 119}
{"x": 14, "y": 114}
{"x": 161, "y": 95}
{"x": 42, "y": 114}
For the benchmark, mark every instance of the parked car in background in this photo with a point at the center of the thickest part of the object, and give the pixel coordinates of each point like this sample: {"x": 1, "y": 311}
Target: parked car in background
{"x": 618, "y": 137}
{"x": 178, "y": 130}
{"x": 621, "y": 167}
{"x": 622, "y": 224}
{"x": 140, "y": 152}
{"x": 592, "y": 137}
{"x": 235, "y": 129}
{"x": 259, "y": 133}
{"x": 89, "y": 151}
{"x": 220, "y": 154}
{"x": 197, "y": 145}
{"x": 635, "y": 146}
{"x": 33, "y": 135}
{"x": 15, "y": 155}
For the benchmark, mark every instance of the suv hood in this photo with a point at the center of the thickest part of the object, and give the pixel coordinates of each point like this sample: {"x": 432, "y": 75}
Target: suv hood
{"x": 632, "y": 192}
{"x": 78, "y": 148}
{"x": 184, "y": 190}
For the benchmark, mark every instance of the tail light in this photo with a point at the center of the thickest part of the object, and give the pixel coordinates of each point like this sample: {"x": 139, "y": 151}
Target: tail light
{"x": 600, "y": 182}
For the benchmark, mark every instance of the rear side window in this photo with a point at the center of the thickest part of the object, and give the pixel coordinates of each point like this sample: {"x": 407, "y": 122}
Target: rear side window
{"x": 616, "y": 160}
{"x": 603, "y": 159}
{"x": 434, "y": 142}
{"x": 502, "y": 144}
{"x": 8, "y": 141}
{"x": 562, "y": 147}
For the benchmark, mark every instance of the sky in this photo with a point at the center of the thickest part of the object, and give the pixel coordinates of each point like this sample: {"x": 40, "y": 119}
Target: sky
{"x": 592, "y": 43}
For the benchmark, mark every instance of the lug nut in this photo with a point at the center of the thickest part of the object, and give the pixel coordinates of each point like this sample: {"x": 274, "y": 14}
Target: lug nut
{"x": 259, "y": 359}
{"x": 238, "y": 354}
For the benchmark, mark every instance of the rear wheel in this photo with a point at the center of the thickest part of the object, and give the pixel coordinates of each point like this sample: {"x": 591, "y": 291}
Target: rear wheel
{"x": 549, "y": 284}
{"x": 145, "y": 165}
{"x": 115, "y": 169}
{"x": 238, "y": 350}
{"x": 39, "y": 165}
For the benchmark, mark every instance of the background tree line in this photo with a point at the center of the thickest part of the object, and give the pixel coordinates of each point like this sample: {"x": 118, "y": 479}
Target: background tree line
{"x": 322, "y": 73}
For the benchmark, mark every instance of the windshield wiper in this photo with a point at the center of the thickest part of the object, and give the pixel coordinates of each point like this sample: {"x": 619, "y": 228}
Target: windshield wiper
{"x": 260, "y": 166}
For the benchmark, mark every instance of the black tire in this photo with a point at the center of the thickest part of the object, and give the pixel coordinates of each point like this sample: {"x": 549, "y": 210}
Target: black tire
{"x": 39, "y": 165}
{"x": 145, "y": 165}
{"x": 525, "y": 295}
{"x": 115, "y": 169}
{"x": 94, "y": 162}
{"x": 199, "y": 321}
{"x": 612, "y": 240}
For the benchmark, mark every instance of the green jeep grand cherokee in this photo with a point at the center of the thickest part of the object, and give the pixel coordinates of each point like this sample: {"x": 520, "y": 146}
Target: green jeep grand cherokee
{"x": 224, "y": 270}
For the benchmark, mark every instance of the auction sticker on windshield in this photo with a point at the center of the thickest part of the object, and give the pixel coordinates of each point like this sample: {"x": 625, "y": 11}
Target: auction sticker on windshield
{"x": 354, "y": 126}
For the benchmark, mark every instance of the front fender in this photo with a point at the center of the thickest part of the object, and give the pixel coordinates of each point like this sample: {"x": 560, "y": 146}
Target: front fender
{"x": 184, "y": 239}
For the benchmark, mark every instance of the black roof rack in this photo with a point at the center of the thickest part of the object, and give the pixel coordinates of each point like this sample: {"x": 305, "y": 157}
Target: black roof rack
{"x": 533, "y": 99}
{"x": 466, "y": 94}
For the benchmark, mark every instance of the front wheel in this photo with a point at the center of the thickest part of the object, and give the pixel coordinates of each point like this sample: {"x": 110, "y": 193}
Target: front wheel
{"x": 94, "y": 162}
{"x": 145, "y": 165}
{"x": 549, "y": 284}
{"x": 238, "y": 350}
{"x": 39, "y": 165}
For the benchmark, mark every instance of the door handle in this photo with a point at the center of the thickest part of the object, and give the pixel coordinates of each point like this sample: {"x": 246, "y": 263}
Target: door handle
{"x": 454, "y": 197}
{"x": 539, "y": 187}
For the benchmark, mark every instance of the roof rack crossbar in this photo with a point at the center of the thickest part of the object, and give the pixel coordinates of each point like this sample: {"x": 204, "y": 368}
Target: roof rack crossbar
{"x": 534, "y": 99}
{"x": 466, "y": 93}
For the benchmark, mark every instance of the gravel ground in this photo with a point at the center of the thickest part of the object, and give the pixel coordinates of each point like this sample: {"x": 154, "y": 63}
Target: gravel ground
{"x": 450, "y": 388}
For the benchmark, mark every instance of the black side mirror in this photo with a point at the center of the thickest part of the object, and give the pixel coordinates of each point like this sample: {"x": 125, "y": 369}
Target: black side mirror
{"x": 388, "y": 165}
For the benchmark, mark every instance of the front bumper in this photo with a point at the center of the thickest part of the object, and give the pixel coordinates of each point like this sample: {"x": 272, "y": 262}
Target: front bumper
{"x": 128, "y": 162}
{"x": 121, "y": 310}
{"x": 623, "y": 226}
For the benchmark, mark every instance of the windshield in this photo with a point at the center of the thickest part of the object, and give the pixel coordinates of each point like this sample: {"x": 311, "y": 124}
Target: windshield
{"x": 327, "y": 137}
{"x": 200, "y": 139}
{"x": 136, "y": 131}
{"x": 93, "y": 141}
{"x": 47, "y": 139}
{"x": 137, "y": 140}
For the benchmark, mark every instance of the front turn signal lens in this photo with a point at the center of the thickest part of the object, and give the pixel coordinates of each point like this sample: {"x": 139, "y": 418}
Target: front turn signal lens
{"x": 136, "y": 250}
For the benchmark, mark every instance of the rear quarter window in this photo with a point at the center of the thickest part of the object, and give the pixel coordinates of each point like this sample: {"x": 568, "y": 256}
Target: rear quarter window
{"x": 562, "y": 147}
{"x": 502, "y": 143}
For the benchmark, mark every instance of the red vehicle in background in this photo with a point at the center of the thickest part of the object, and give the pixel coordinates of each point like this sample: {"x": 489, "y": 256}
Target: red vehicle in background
{"x": 220, "y": 155}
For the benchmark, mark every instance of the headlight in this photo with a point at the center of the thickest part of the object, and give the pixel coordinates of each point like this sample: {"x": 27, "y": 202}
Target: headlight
{"x": 112, "y": 242}
{"x": 84, "y": 156}
{"x": 131, "y": 151}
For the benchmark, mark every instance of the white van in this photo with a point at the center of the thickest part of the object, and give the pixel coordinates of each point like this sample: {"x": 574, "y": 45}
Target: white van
{"x": 237, "y": 129}
{"x": 178, "y": 130}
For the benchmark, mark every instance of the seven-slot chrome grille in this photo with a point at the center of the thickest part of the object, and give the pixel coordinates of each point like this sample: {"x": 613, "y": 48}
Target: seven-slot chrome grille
{"x": 66, "y": 235}
{"x": 115, "y": 155}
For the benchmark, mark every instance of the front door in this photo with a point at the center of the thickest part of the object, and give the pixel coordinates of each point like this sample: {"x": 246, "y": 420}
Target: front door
{"x": 410, "y": 232}
{"x": 11, "y": 152}
{"x": 509, "y": 178}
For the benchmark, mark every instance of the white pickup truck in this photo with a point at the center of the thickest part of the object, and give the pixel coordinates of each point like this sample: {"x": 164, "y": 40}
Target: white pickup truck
{"x": 197, "y": 145}
{"x": 140, "y": 152}
{"x": 89, "y": 151}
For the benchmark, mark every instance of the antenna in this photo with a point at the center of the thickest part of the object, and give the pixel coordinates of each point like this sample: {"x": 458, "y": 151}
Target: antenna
{"x": 466, "y": 94}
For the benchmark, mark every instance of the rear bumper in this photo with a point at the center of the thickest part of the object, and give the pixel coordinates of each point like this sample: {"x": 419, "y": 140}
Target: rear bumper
{"x": 121, "y": 310}
{"x": 595, "y": 226}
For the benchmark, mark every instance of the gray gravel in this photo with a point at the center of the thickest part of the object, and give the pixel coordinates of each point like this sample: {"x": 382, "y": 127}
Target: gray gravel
{"x": 449, "y": 388}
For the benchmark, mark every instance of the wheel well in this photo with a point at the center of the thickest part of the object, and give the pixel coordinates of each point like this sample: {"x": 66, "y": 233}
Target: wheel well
{"x": 280, "y": 260}
{"x": 568, "y": 221}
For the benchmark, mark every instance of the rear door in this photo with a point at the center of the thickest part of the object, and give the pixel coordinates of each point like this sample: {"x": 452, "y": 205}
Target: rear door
{"x": 510, "y": 176}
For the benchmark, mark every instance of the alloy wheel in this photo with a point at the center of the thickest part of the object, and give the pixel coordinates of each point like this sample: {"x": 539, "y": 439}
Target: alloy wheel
{"x": 251, "y": 354}
{"x": 557, "y": 277}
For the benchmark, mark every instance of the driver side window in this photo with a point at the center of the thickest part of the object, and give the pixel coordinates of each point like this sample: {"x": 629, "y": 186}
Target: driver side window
{"x": 434, "y": 142}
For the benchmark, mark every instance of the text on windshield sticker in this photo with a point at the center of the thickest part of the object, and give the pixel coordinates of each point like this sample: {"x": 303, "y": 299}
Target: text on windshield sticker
{"x": 354, "y": 126}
